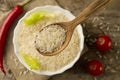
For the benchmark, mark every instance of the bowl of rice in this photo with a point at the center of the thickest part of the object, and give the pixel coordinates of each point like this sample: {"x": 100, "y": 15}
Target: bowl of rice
{"x": 27, "y": 36}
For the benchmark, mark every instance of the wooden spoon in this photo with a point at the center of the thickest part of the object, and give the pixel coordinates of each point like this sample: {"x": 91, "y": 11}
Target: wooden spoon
{"x": 71, "y": 25}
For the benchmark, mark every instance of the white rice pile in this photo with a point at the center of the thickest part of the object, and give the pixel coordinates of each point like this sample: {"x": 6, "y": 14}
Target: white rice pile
{"x": 50, "y": 38}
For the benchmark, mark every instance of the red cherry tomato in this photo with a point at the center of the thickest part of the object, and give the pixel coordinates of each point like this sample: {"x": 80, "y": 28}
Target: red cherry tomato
{"x": 95, "y": 67}
{"x": 104, "y": 43}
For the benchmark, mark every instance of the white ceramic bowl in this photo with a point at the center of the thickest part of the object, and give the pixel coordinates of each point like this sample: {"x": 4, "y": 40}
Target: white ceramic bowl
{"x": 71, "y": 17}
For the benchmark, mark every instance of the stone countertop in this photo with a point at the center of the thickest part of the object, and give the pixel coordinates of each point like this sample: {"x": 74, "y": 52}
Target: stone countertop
{"x": 106, "y": 22}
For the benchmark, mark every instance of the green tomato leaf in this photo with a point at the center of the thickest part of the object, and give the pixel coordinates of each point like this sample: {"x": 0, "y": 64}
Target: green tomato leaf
{"x": 31, "y": 62}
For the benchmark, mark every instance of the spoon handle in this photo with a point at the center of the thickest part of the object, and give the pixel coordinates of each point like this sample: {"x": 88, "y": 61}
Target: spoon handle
{"x": 92, "y": 8}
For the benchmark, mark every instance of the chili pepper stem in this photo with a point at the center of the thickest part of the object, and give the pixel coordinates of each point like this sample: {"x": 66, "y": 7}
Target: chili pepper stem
{"x": 26, "y": 3}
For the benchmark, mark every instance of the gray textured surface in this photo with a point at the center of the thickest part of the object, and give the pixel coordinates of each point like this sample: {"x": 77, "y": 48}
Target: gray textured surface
{"x": 107, "y": 21}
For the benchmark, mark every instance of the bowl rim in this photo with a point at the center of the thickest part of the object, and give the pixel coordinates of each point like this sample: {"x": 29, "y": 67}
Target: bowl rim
{"x": 79, "y": 30}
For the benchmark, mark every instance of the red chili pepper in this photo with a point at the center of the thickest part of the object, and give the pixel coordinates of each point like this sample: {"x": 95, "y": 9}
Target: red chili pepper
{"x": 6, "y": 24}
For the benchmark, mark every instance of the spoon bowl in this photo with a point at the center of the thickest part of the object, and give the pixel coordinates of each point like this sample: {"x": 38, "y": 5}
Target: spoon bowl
{"x": 69, "y": 33}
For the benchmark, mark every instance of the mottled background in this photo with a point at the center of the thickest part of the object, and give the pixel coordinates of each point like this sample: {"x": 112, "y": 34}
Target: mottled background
{"x": 107, "y": 21}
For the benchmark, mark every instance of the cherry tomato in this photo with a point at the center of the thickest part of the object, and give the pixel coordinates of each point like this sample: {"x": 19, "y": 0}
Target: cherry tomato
{"x": 95, "y": 67}
{"x": 103, "y": 43}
